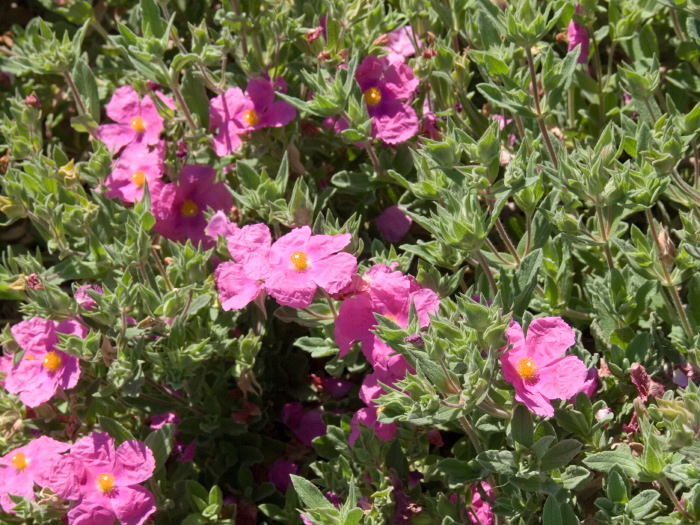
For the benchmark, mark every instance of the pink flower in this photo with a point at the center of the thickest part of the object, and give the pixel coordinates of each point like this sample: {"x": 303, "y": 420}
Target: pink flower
{"x": 279, "y": 474}
{"x": 368, "y": 418}
{"x": 137, "y": 120}
{"x": 646, "y": 386}
{"x": 578, "y": 35}
{"x": 179, "y": 208}
{"x": 300, "y": 262}
{"x": 25, "y": 466}
{"x": 535, "y": 366}
{"x": 481, "y": 507}
{"x": 400, "y": 43}
{"x": 159, "y": 420}
{"x": 393, "y": 223}
{"x": 104, "y": 481}
{"x": 387, "y": 87}
{"x": 43, "y": 368}
{"x": 306, "y": 425}
{"x": 83, "y": 298}
{"x": 219, "y": 224}
{"x": 241, "y": 282}
{"x": 336, "y": 387}
{"x": 235, "y": 113}
{"x": 137, "y": 165}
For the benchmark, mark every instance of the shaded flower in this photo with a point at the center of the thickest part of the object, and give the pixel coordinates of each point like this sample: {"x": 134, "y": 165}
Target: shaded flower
{"x": 578, "y": 36}
{"x": 137, "y": 165}
{"x": 137, "y": 120}
{"x": 83, "y": 298}
{"x": 535, "y": 366}
{"x": 387, "y": 87}
{"x": 279, "y": 474}
{"x": 400, "y": 43}
{"x": 368, "y": 418}
{"x": 393, "y": 223}
{"x": 179, "y": 208}
{"x": 645, "y": 385}
{"x": 480, "y": 507}
{"x": 306, "y": 425}
{"x": 105, "y": 481}
{"x": 43, "y": 368}
{"x": 235, "y": 113}
{"x": 25, "y": 466}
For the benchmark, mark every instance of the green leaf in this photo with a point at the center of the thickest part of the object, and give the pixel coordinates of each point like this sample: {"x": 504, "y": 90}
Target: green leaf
{"x": 525, "y": 281}
{"x": 160, "y": 442}
{"x": 86, "y": 85}
{"x": 521, "y": 426}
{"x": 642, "y": 503}
{"x": 499, "y": 461}
{"x": 309, "y": 494}
{"x": 575, "y": 477}
{"x": 621, "y": 456}
{"x": 560, "y": 454}
{"x": 617, "y": 489}
{"x": 115, "y": 429}
{"x": 551, "y": 515}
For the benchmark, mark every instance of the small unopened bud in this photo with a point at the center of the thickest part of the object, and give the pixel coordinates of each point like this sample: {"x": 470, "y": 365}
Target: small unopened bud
{"x": 667, "y": 249}
{"x": 34, "y": 283}
{"x": 313, "y": 34}
{"x": 414, "y": 339}
{"x": 181, "y": 149}
{"x": 343, "y": 54}
{"x": 429, "y": 53}
{"x": 323, "y": 55}
{"x": 32, "y": 101}
{"x": 235, "y": 214}
{"x": 382, "y": 40}
{"x": 153, "y": 85}
{"x": 69, "y": 172}
{"x": 5, "y": 161}
{"x": 603, "y": 414}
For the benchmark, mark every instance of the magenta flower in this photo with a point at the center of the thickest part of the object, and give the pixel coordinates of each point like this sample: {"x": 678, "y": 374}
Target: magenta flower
{"x": 219, "y": 224}
{"x": 535, "y": 366}
{"x": 480, "y": 507}
{"x": 137, "y": 120}
{"x": 279, "y": 474}
{"x": 393, "y": 223}
{"x": 301, "y": 262}
{"x": 306, "y": 425}
{"x": 179, "y": 208}
{"x": 368, "y": 418}
{"x": 578, "y": 36}
{"x": 83, "y": 298}
{"x": 43, "y": 368}
{"x": 400, "y": 43}
{"x": 137, "y": 165}
{"x": 25, "y": 466}
{"x": 241, "y": 282}
{"x": 387, "y": 87}
{"x": 160, "y": 420}
{"x": 105, "y": 481}
{"x": 235, "y": 113}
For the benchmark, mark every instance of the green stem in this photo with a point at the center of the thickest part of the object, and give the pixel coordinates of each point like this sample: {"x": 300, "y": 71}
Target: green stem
{"x": 506, "y": 240}
{"x": 538, "y": 109}
{"x": 487, "y": 270}
{"x": 676, "y": 502}
{"x": 76, "y": 95}
{"x": 183, "y": 105}
{"x": 528, "y": 232}
{"x": 603, "y": 233}
{"x": 494, "y": 250}
{"x": 471, "y": 434}
{"x": 521, "y": 132}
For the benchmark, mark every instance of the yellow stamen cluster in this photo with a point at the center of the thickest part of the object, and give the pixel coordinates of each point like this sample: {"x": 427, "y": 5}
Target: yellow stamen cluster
{"x": 138, "y": 178}
{"x": 138, "y": 125}
{"x": 19, "y": 461}
{"x": 373, "y": 96}
{"x": 105, "y": 482}
{"x": 380, "y": 410}
{"x": 189, "y": 208}
{"x": 527, "y": 368}
{"x": 299, "y": 261}
{"x": 51, "y": 362}
{"x": 251, "y": 117}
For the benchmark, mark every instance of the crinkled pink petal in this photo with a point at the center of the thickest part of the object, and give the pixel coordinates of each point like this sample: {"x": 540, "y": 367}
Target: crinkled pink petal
{"x": 514, "y": 334}
{"x": 562, "y": 378}
{"x": 169, "y": 102}
{"x": 250, "y": 240}
{"x": 215, "y": 196}
{"x": 124, "y": 105}
{"x": 228, "y": 106}
{"x": 400, "y": 81}
{"x": 227, "y": 140}
{"x": 480, "y": 506}
{"x": 283, "y": 247}
{"x": 66, "y": 476}
{"x": 578, "y": 36}
{"x": 369, "y": 73}
{"x": 35, "y": 334}
{"x": 236, "y": 290}
{"x": 549, "y": 336}
{"x": 393, "y": 223}
{"x": 335, "y": 272}
{"x": 136, "y": 157}
{"x": 368, "y": 417}
{"x": 399, "y": 41}
{"x": 152, "y": 120}
{"x": 219, "y": 224}
{"x": 30, "y": 380}
{"x": 16, "y": 483}
{"x": 398, "y": 124}
{"x": 96, "y": 449}
{"x": 68, "y": 375}
{"x": 291, "y": 288}
{"x": 116, "y": 136}
{"x": 319, "y": 246}
{"x": 195, "y": 177}
{"x": 72, "y": 327}
{"x": 354, "y": 322}
{"x": 134, "y": 463}
{"x": 133, "y": 505}
{"x": 87, "y": 512}
{"x": 535, "y": 401}
{"x": 261, "y": 92}
{"x": 370, "y": 389}
{"x": 278, "y": 114}
{"x": 426, "y": 302}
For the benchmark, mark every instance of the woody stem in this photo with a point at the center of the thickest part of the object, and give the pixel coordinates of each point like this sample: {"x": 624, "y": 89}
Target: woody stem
{"x": 538, "y": 108}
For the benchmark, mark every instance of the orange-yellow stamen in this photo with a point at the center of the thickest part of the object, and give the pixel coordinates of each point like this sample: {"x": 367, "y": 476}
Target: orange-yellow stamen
{"x": 138, "y": 125}
{"x": 527, "y": 368}
{"x": 51, "y": 362}
{"x": 29, "y": 357}
{"x": 105, "y": 482}
{"x": 299, "y": 261}
{"x": 189, "y": 208}
{"x": 373, "y": 96}
{"x": 251, "y": 117}
{"x": 19, "y": 461}
{"x": 138, "y": 178}
{"x": 380, "y": 410}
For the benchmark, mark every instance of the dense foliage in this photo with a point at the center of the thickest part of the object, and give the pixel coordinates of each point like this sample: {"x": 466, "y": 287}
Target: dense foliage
{"x": 333, "y": 262}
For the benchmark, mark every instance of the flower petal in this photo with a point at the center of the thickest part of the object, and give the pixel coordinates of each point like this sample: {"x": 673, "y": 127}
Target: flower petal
{"x": 278, "y": 114}
{"x": 116, "y": 136}
{"x": 35, "y": 334}
{"x": 88, "y": 513}
{"x": 354, "y": 322}
{"x": 549, "y": 337}
{"x": 291, "y": 288}
{"x": 562, "y": 378}
{"x": 535, "y": 401}
{"x": 134, "y": 463}
{"x": 236, "y": 290}
{"x": 335, "y": 272}
{"x": 227, "y": 140}
{"x": 124, "y": 105}
{"x": 397, "y": 123}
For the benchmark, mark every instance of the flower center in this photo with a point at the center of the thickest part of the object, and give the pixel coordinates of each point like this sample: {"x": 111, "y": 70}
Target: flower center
{"x": 51, "y": 362}
{"x": 138, "y": 125}
{"x": 373, "y": 96}
{"x": 299, "y": 261}
{"x": 251, "y": 117}
{"x": 527, "y": 368}
{"x": 138, "y": 178}
{"x": 380, "y": 410}
{"x": 105, "y": 482}
{"x": 189, "y": 208}
{"x": 19, "y": 461}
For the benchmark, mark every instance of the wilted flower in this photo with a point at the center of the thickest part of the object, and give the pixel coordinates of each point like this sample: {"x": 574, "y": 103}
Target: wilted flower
{"x": 536, "y": 367}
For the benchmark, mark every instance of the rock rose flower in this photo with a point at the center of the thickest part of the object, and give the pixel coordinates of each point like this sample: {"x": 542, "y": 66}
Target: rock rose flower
{"x": 536, "y": 366}
{"x": 42, "y": 368}
{"x": 105, "y": 481}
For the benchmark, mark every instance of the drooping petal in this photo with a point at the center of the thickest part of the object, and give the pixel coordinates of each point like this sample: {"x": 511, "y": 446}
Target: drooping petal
{"x": 335, "y": 272}
{"x": 35, "y": 334}
{"x": 278, "y": 114}
{"x": 236, "y": 290}
{"x": 549, "y": 337}
{"x": 116, "y": 136}
{"x": 562, "y": 378}
{"x": 354, "y": 322}
{"x": 134, "y": 463}
{"x": 535, "y": 401}
{"x": 97, "y": 450}
{"x": 124, "y": 105}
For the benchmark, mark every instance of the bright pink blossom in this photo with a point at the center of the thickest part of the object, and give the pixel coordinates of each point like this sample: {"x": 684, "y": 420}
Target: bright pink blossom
{"x": 393, "y": 223}
{"x": 480, "y": 507}
{"x": 578, "y": 36}
{"x": 368, "y": 418}
{"x": 219, "y": 224}
{"x": 179, "y": 208}
{"x": 301, "y": 262}
{"x": 387, "y": 87}
{"x": 235, "y": 113}
{"x": 83, "y": 298}
{"x": 536, "y": 367}
{"x": 137, "y": 166}
{"x": 137, "y": 120}
{"x": 25, "y": 466}
{"x": 105, "y": 481}
{"x": 43, "y": 368}
{"x": 400, "y": 43}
